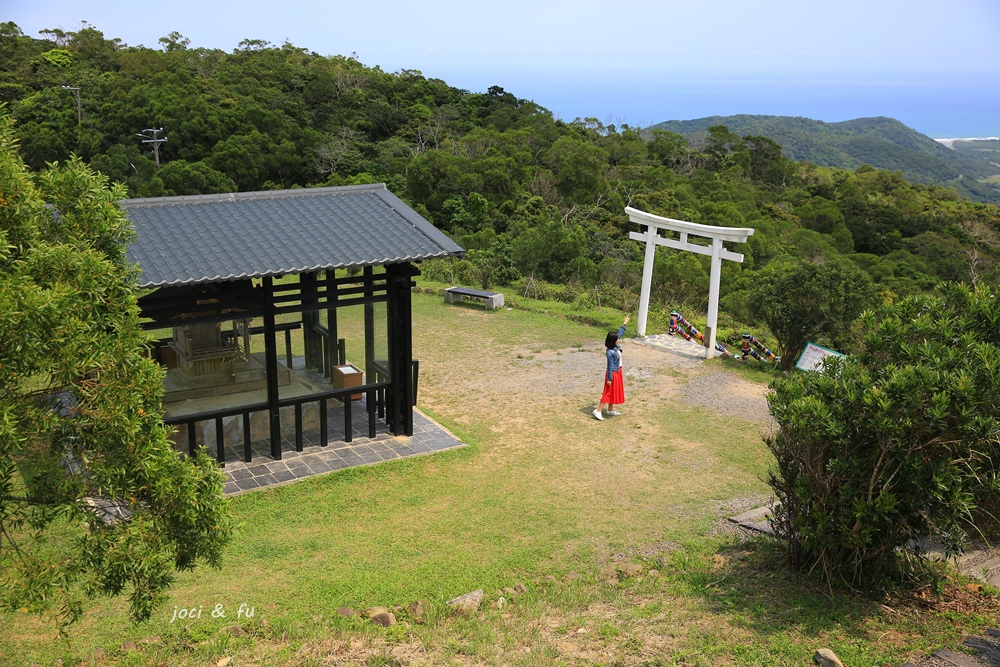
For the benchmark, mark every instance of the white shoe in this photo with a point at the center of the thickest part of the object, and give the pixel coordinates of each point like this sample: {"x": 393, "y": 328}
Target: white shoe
{"x": 614, "y": 413}
{"x": 597, "y": 414}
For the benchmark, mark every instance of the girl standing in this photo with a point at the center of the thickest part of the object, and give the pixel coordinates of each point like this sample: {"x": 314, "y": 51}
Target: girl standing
{"x": 614, "y": 385}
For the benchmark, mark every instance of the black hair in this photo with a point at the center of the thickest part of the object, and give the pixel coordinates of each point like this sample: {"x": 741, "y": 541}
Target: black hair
{"x": 611, "y": 340}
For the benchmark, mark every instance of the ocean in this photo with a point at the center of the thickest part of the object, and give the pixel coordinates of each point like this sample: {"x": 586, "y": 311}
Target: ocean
{"x": 940, "y": 106}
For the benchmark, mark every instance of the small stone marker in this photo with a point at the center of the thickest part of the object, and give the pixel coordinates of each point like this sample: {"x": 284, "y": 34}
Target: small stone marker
{"x": 346, "y": 612}
{"x": 385, "y": 618}
{"x": 224, "y": 662}
{"x": 128, "y": 646}
{"x": 418, "y": 610}
{"x": 467, "y": 603}
{"x": 237, "y": 631}
{"x": 609, "y": 572}
{"x": 520, "y": 588}
{"x": 824, "y": 657}
{"x": 372, "y": 611}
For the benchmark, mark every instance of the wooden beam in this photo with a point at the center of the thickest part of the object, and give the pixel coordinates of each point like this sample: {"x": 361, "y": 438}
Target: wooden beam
{"x": 690, "y": 247}
{"x": 271, "y": 369}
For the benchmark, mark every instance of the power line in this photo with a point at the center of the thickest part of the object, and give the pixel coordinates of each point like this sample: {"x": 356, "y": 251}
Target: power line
{"x": 152, "y": 138}
{"x": 79, "y": 107}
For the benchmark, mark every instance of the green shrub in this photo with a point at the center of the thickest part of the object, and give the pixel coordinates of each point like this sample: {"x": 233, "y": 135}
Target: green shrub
{"x": 897, "y": 445}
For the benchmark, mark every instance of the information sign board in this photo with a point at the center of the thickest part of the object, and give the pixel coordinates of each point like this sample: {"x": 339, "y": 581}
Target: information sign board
{"x": 813, "y": 356}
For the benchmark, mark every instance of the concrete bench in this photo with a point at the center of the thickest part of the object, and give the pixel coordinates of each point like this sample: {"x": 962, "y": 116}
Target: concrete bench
{"x": 493, "y": 300}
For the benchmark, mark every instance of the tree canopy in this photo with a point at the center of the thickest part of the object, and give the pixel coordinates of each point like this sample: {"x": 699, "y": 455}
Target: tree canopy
{"x": 93, "y": 499}
{"x": 498, "y": 173}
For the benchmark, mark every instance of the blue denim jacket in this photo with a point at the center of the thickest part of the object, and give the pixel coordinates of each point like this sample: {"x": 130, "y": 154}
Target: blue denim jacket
{"x": 615, "y": 356}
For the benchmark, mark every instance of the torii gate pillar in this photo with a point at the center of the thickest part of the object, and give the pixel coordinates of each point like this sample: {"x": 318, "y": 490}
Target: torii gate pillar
{"x": 716, "y": 251}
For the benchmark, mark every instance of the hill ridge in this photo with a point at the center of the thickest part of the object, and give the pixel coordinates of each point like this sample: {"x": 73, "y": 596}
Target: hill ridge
{"x": 879, "y": 141}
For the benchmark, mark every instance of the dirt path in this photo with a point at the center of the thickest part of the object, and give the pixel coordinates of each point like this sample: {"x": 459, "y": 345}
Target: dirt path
{"x": 571, "y": 378}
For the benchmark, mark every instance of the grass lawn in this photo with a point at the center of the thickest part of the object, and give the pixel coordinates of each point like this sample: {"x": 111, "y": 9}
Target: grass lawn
{"x": 544, "y": 495}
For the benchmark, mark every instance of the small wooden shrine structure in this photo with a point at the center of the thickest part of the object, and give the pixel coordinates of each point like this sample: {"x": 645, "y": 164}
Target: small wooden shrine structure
{"x": 229, "y": 275}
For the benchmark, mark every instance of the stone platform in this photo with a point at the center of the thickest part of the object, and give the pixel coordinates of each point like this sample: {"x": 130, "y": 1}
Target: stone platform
{"x": 315, "y": 459}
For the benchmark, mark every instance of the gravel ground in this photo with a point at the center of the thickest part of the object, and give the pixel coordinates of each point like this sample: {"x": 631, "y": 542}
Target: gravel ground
{"x": 729, "y": 394}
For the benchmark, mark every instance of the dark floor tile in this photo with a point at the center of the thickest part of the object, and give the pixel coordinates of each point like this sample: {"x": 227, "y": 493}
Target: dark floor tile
{"x": 239, "y": 473}
{"x": 230, "y": 488}
{"x": 266, "y": 480}
{"x": 259, "y": 469}
{"x": 285, "y": 475}
{"x": 370, "y": 457}
{"x": 440, "y": 443}
{"x": 320, "y": 467}
{"x": 247, "y": 484}
{"x": 352, "y": 459}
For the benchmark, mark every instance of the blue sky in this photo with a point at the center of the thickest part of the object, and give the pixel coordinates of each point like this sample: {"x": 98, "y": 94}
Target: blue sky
{"x": 934, "y": 65}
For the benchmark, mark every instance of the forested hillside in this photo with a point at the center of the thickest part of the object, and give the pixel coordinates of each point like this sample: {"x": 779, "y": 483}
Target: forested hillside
{"x": 883, "y": 143}
{"x": 531, "y": 197}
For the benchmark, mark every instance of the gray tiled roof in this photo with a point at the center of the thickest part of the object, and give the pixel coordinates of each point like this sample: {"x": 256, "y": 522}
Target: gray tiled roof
{"x": 212, "y": 238}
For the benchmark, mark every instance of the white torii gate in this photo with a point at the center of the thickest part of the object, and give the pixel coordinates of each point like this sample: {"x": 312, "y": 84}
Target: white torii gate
{"x": 716, "y": 251}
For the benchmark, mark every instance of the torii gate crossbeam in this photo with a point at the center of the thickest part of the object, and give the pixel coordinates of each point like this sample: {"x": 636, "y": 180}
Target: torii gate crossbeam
{"x": 716, "y": 251}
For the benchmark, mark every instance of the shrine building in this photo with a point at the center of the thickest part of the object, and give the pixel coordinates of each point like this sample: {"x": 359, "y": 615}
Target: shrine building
{"x": 275, "y": 312}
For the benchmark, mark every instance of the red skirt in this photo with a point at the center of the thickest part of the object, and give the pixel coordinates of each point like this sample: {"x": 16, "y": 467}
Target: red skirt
{"x": 614, "y": 393}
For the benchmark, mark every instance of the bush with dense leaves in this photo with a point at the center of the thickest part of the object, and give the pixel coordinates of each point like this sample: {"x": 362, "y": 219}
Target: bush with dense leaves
{"x": 893, "y": 446}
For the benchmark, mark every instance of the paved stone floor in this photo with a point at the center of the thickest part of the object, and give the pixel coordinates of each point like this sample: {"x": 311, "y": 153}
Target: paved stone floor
{"x": 691, "y": 351}
{"x": 315, "y": 459}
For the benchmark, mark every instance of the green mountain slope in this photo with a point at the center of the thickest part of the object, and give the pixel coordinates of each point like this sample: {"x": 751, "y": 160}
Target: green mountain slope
{"x": 884, "y": 143}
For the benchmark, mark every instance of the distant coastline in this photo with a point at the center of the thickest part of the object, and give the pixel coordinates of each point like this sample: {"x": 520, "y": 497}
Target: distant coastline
{"x": 950, "y": 143}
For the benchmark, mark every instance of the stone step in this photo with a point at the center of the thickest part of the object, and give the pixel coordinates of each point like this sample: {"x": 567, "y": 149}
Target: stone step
{"x": 984, "y": 570}
{"x": 248, "y": 375}
{"x": 755, "y": 519}
{"x": 983, "y": 647}
{"x": 956, "y": 659}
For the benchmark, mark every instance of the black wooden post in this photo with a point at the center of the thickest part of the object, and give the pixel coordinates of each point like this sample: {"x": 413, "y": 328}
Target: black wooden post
{"x": 400, "y": 325}
{"x": 331, "y": 321}
{"x": 247, "y": 444}
{"x": 220, "y": 442}
{"x": 271, "y": 365}
{"x": 369, "y": 335}
{"x": 311, "y": 339}
{"x": 192, "y": 439}
{"x": 322, "y": 422}
{"x": 371, "y": 398}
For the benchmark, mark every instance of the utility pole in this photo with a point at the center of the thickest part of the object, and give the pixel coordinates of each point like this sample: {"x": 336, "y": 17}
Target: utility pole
{"x": 152, "y": 138}
{"x": 79, "y": 108}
